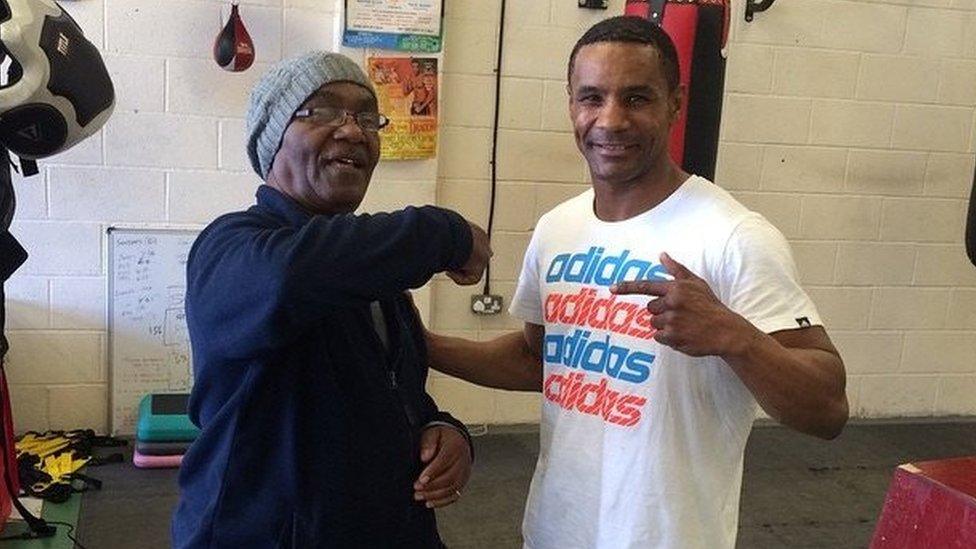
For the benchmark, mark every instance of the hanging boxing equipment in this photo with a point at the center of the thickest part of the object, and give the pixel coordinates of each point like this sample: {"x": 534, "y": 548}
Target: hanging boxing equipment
{"x": 971, "y": 225}
{"x": 699, "y": 30}
{"x": 54, "y": 92}
{"x": 57, "y": 91}
{"x": 233, "y": 49}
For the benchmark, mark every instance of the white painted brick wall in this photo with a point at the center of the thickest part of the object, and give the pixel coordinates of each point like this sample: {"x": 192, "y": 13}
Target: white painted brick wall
{"x": 539, "y": 156}
{"x": 233, "y": 154}
{"x": 139, "y": 82}
{"x": 78, "y": 303}
{"x": 873, "y": 264}
{"x": 850, "y": 124}
{"x": 739, "y": 166}
{"x": 865, "y": 352}
{"x": 193, "y": 87}
{"x": 936, "y": 128}
{"x": 885, "y": 172}
{"x": 958, "y": 83}
{"x": 801, "y": 72}
{"x": 898, "y": 78}
{"x": 955, "y": 396}
{"x": 815, "y": 261}
{"x": 307, "y": 28}
{"x": 31, "y": 194}
{"x": 947, "y": 175}
{"x": 106, "y": 194}
{"x": 60, "y": 248}
{"x": 201, "y": 196}
{"x": 161, "y": 140}
{"x": 897, "y": 395}
{"x": 49, "y": 357}
{"x": 782, "y": 210}
{"x": 803, "y": 169}
{"x": 840, "y": 217}
{"x": 28, "y": 302}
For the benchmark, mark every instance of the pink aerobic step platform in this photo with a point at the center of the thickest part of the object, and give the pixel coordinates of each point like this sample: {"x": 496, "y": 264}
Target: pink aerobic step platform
{"x": 156, "y": 462}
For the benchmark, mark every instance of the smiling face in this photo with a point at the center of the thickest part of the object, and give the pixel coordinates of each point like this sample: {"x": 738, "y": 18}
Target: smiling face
{"x": 327, "y": 168}
{"x": 622, "y": 110}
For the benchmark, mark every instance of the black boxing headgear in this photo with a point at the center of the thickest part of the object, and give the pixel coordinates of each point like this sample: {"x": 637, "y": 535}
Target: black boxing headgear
{"x": 57, "y": 90}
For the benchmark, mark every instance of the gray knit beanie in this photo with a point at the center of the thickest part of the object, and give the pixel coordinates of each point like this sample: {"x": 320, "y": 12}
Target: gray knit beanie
{"x": 283, "y": 89}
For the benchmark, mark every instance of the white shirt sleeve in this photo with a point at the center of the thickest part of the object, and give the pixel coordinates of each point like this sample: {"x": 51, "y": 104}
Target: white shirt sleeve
{"x": 527, "y": 302}
{"x": 758, "y": 279}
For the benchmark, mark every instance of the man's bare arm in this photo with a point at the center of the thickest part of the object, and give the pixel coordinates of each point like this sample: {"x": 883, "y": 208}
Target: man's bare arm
{"x": 796, "y": 375}
{"x": 512, "y": 361}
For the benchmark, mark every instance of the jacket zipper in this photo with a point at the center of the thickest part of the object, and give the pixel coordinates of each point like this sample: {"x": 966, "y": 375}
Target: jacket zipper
{"x": 388, "y": 359}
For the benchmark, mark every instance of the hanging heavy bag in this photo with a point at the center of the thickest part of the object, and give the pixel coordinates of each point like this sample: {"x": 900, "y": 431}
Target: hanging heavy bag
{"x": 233, "y": 48}
{"x": 971, "y": 225}
{"x": 55, "y": 93}
{"x": 699, "y": 30}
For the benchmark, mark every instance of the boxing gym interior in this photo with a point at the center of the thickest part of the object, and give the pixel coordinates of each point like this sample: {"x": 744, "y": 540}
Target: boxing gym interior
{"x": 849, "y": 125}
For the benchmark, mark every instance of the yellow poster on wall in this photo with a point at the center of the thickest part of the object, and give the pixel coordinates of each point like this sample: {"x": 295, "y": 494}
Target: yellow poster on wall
{"x": 406, "y": 89}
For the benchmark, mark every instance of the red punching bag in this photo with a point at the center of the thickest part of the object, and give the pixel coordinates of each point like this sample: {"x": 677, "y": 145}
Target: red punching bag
{"x": 699, "y": 30}
{"x": 233, "y": 49}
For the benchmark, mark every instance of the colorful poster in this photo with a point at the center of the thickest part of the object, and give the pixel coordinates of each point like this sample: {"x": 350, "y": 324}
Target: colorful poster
{"x": 404, "y": 25}
{"x": 407, "y": 91}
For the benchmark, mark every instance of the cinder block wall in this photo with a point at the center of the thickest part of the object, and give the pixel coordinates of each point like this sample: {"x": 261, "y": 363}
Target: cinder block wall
{"x": 850, "y": 124}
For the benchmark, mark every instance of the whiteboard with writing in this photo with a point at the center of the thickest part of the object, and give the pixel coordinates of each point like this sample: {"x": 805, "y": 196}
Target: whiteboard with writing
{"x": 149, "y": 348}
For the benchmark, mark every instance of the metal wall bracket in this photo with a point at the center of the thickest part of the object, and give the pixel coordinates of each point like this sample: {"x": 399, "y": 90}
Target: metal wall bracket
{"x": 656, "y": 12}
{"x": 593, "y": 4}
{"x": 753, "y": 6}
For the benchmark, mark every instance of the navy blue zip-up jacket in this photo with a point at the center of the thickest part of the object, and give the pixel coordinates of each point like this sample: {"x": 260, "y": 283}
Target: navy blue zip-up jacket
{"x": 310, "y": 426}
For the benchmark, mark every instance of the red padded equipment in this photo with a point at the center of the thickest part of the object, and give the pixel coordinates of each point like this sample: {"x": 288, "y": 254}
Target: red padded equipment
{"x": 929, "y": 504}
{"x": 699, "y": 30}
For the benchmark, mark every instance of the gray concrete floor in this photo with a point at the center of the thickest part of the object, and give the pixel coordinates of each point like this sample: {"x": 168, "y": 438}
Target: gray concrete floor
{"x": 797, "y": 491}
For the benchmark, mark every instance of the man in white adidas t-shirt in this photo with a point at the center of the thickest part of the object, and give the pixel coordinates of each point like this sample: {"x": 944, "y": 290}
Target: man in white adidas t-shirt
{"x": 658, "y": 311}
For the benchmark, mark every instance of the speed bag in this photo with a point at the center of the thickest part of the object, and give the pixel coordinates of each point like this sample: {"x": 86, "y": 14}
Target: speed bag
{"x": 699, "y": 30}
{"x": 233, "y": 49}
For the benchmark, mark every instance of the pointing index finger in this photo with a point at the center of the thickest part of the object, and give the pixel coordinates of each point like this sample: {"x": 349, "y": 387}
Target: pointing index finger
{"x": 645, "y": 287}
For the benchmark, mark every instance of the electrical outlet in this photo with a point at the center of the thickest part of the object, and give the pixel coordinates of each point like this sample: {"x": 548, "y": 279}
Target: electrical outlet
{"x": 486, "y": 304}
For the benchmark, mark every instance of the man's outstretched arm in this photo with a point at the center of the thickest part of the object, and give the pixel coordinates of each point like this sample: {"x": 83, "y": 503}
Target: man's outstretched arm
{"x": 512, "y": 361}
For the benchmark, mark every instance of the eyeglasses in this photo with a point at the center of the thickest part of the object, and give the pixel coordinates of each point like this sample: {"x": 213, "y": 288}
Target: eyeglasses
{"x": 333, "y": 116}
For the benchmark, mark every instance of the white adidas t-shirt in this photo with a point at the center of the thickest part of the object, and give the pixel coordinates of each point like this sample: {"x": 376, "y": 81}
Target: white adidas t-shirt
{"x": 642, "y": 446}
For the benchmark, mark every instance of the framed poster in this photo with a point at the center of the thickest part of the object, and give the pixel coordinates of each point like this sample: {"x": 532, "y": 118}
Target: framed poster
{"x": 404, "y": 25}
{"x": 407, "y": 90}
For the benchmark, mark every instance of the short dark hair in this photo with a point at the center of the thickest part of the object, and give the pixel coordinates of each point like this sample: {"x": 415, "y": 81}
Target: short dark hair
{"x": 631, "y": 30}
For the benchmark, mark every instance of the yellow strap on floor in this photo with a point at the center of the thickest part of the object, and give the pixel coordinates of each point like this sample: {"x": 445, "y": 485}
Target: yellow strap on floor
{"x": 62, "y": 465}
{"x": 41, "y": 447}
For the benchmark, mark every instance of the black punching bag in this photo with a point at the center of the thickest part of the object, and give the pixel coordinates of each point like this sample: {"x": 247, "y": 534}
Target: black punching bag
{"x": 971, "y": 225}
{"x": 699, "y": 30}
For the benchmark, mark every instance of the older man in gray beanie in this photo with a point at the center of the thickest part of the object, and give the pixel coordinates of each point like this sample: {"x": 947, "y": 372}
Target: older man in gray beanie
{"x": 309, "y": 358}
